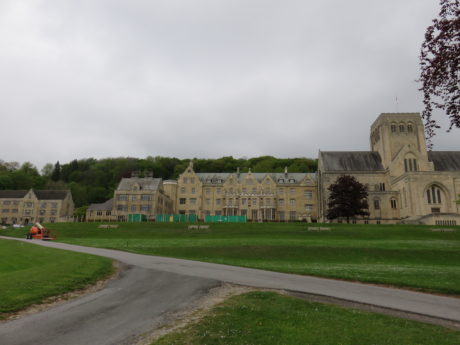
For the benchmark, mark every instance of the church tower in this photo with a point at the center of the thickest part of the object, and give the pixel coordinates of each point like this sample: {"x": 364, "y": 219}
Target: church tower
{"x": 399, "y": 138}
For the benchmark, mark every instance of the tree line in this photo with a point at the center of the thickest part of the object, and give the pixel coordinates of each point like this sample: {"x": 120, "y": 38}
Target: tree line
{"x": 94, "y": 180}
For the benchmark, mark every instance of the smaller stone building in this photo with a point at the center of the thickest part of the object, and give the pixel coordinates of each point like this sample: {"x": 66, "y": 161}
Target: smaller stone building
{"x": 134, "y": 195}
{"x": 28, "y": 206}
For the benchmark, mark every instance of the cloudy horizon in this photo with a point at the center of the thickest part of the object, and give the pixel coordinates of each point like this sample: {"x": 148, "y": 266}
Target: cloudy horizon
{"x": 206, "y": 78}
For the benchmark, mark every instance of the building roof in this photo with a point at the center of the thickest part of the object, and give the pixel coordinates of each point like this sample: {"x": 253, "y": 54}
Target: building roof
{"x": 105, "y": 206}
{"x": 13, "y": 194}
{"x": 216, "y": 178}
{"x": 445, "y": 160}
{"x": 51, "y": 194}
{"x": 351, "y": 161}
{"x": 144, "y": 183}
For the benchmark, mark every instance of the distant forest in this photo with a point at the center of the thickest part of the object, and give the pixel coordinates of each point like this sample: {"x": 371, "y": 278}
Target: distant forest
{"x": 94, "y": 180}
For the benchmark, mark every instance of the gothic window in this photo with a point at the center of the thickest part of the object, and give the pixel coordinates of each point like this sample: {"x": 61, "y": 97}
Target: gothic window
{"x": 434, "y": 195}
{"x": 402, "y": 127}
{"x": 410, "y": 164}
{"x": 377, "y": 204}
{"x": 393, "y": 127}
{"x": 393, "y": 203}
{"x": 410, "y": 127}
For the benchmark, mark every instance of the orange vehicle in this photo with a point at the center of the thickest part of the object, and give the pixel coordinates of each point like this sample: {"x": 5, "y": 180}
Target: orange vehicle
{"x": 39, "y": 232}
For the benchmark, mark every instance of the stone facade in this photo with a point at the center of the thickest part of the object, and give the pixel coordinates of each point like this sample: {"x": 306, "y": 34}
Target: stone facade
{"x": 258, "y": 196}
{"x": 134, "y": 195}
{"x": 406, "y": 183}
{"x": 29, "y": 206}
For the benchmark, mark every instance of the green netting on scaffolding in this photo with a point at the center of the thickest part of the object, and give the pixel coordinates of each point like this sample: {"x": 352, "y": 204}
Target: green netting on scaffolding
{"x": 225, "y": 219}
{"x": 176, "y": 218}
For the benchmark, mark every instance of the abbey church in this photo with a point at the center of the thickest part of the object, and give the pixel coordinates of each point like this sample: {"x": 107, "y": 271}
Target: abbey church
{"x": 406, "y": 184}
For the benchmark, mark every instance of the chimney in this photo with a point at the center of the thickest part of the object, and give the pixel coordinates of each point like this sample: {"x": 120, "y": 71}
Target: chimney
{"x": 285, "y": 172}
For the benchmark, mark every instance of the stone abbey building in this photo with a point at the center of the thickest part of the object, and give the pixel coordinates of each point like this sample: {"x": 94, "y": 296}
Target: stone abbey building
{"x": 406, "y": 184}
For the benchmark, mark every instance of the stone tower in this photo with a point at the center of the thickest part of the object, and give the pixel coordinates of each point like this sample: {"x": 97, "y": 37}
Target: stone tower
{"x": 399, "y": 138}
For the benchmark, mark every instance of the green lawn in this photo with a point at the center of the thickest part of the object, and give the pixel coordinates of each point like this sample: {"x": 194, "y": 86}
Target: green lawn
{"x": 29, "y": 274}
{"x": 266, "y": 318}
{"x": 400, "y": 255}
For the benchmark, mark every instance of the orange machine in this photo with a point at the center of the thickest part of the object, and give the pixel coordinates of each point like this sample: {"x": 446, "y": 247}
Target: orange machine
{"x": 39, "y": 232}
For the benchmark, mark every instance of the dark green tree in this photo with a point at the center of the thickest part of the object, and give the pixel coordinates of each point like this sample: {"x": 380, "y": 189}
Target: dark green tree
{"x": 347, "y": 199}
{"x": 56, "y": 174}
{"x": 440, "y": 67}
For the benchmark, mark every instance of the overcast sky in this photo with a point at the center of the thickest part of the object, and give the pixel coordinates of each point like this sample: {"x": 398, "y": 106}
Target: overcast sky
{"x": 205, "y": 78}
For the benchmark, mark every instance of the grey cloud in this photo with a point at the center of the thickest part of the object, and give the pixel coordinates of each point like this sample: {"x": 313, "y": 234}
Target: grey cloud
{"x": 205, "y": 78}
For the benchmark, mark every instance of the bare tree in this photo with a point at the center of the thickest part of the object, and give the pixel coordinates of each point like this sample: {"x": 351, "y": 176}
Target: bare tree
{"x": 440, "y": 67}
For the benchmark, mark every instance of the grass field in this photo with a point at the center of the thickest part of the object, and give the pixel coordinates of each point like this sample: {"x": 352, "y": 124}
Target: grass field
{"x": 399, "y": 255}
{"x": 266, "y": 318}
{"x": 29, "y": 273}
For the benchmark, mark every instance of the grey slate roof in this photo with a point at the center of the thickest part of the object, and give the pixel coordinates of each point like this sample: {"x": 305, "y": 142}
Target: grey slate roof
{"x": 51, "y": 194}
{"x": 13, "y": 194}
{"x": 145, "y": 183}
{"x": 214, "y": 178}
{"x": 351, "y": 161}
{"x": 105, "y": 206}
{"x": 445, "y": 160}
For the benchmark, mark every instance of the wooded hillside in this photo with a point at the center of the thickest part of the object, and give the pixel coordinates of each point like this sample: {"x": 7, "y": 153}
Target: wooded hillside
{"x": 94, "y": 180}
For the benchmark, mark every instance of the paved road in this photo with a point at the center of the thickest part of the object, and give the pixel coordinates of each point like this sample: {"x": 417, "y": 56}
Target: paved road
{"x": 126, "y": 308}
{"x": 208, "y": 274}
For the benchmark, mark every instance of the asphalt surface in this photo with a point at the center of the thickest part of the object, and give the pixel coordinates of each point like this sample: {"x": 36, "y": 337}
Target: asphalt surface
{"x": 135, "y": 303}
{"x": 197, "y": 277}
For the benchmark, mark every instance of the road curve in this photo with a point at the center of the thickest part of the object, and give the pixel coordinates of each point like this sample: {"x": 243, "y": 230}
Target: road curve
{"x": 127, "y": 307}
{"x": 435, "y": 306}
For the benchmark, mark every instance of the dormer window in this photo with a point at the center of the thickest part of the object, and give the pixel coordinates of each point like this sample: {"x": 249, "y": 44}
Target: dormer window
{"x": 291, "y": 180}
{"x": 281, "y": 180}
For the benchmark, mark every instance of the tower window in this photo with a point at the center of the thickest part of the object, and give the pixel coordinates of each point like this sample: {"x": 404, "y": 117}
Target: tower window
{"x": 393, "y": 127}
{"x": 434, "y": 195}
{"x": 410, "y": 128}
{"x": 393, "y": 203}
{"x": 402, "y": 128}
{"x": 410, "y": 164}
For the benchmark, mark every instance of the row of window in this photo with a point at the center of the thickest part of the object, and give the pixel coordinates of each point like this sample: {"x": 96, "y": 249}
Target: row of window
{"x": 7, "y": 210}
{"x": 126, "y": 197}
{"x": 402, "y": 127}
{"x": 9, "y": 202}
{"x": 307, "y": 193}
{"x": 410, "y": 164}
{"x": 134, "y": 208}
{"x": 31, "y": 204}
{"x": 255, "y": 214}
{"x": 377, "y": 205}
{"x": 244, "y": 202}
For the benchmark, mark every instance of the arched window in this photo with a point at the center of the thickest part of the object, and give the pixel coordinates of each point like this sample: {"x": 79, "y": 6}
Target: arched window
{"x": 410, "y": 163}
{"x": 393, "y": 203}
{"x": 402, "y": 127}
{"x": 393, "y": 127}
{"x": 434, "y": 195}
{"x": 410, "y": 127}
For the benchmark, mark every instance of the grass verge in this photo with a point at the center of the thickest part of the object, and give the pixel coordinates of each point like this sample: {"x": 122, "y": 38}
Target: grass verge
{"x": 398, "y": 255}
{"x": 267, "y": 318}
{"x": 29, "y": 274}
